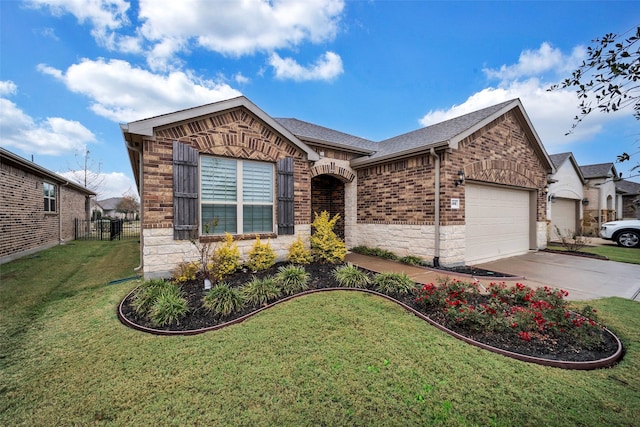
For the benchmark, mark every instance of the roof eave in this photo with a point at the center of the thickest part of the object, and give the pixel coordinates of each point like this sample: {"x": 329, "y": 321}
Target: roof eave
{"x": 343, "y": 147}
{"x": 425, "y": 149}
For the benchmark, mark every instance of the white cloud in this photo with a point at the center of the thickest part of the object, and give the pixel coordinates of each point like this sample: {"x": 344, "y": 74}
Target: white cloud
{"x": 53, "y": 135}
{"x": 551, "y": 113}
{"x": 241, "y": 79}
{"x": 537, "y": 62}
{"x": 112, "y": 184}
{"x": 127, "y": 93}
{"x": 327, "y": 67}
{"x": 7, "y": 87}
{"x": 105, "y": 16}
{"x": 236, "y": 27}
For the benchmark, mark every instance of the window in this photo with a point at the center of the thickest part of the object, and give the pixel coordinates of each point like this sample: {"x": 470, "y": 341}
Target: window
{"x": 238, "y": 194}
{"x": 49, "y": 197}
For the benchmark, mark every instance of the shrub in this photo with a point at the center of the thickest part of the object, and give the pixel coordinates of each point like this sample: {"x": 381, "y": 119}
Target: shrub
{"x": 261, "y": 256}
{"x": 146, "y": 295}
{"x": 571, "y": 241}
{"x": 351, "y": 276}
{"x": 326, "y": 246}
{"x": 292, "y": 279}
{"x": 226, "y": 258}
{"x": 531, "y": 314}
{"x": 381, "y": 253}
{"x": 298, "y": 254}
{"x": 413, "y": 260}
{"x": 186, "y": 271}
{"x": 260, "y": 291}
{"x": 394, "y": 283}
{"x": 169, "y": 307}
{"x": 223, "y": 300}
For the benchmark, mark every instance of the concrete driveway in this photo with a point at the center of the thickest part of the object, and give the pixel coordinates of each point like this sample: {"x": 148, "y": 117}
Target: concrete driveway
{"x": 583, "y": 278}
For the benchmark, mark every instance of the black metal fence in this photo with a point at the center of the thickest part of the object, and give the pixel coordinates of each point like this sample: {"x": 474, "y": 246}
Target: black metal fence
{"x": 106, "y": 229}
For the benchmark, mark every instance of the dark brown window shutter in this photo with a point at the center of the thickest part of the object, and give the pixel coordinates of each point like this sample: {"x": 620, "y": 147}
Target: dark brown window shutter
{"x": 185, "y": 191}
{"x": 285, "y": 196}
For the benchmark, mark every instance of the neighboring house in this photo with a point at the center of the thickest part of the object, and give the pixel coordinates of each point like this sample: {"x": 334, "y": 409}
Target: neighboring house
{"x": 96, "y": 209}
{"x": 600, "y": 191}
{"x": 110, "y": 207}
{"x": 566, "y": 196}
{"x": 38, "y": 207}
{"x": 467, "y": 190}
{"x": 629, "y": 192}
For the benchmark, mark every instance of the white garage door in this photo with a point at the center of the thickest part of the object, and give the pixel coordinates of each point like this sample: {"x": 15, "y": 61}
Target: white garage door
{"x": 497, "y": 223}
{"x": 563, "y": 215}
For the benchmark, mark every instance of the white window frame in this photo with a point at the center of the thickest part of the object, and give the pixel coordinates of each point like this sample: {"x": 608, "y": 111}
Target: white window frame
{"x": 48, "y": 199}
{"x": 239, "y": 202}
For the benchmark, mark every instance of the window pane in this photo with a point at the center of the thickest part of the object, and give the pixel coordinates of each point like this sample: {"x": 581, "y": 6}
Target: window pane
{"x": 53, "y": 205}
{"x": 226, "y": 216}
{"x": 257, "y": 182}
{"x": 219, "y": 179}
{"x": 257, "y": 219}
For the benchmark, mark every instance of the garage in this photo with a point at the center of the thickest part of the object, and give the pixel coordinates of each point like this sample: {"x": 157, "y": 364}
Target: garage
{"x": 498, "y": 222}
{"x": 563, "y": 215}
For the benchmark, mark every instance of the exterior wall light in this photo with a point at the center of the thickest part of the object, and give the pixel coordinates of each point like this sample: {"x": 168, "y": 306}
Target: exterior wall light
{"x": 460, "y": 179}
{"x": 585, "y": 202}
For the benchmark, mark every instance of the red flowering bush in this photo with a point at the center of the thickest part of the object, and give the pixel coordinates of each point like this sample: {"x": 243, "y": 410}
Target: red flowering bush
{"x": 530, "y": 313}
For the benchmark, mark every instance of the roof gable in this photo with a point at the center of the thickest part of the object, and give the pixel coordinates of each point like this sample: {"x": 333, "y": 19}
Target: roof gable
{"x": 600, "y": 170}
{"x": 559, "y": 159}
{"x": 450, "y": 132}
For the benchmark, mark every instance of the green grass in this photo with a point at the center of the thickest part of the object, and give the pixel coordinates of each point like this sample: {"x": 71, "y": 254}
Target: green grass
{"x": 338, "y": 358}
{"x": 614, "y": 253}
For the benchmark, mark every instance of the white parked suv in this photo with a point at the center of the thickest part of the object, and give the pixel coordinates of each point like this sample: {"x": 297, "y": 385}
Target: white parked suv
{"x": 624, "y": 233}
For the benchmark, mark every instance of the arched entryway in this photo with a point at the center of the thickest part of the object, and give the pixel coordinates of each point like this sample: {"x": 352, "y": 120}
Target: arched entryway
{"x": 327, "y": 194}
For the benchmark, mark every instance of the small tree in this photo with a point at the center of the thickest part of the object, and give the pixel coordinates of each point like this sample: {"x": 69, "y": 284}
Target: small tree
{"x": 610, "y": 75}
{"x": 326, "y": 246}
{"x": 128, "y": 205}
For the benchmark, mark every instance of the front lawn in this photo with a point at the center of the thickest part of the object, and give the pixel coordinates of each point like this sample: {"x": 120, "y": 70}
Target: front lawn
{"x": 335, "y": 358}
{"x": 613, "y": 252}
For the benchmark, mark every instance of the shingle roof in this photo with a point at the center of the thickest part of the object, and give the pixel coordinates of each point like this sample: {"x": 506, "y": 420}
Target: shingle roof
{"x": 439, "y": 132}
{"x": 314, "y": 133}
{"x": 629, "y": 188}
{"x": 599, "y": 170}
{"x": 559, "y": 159}
{"x": 110, "y": 204}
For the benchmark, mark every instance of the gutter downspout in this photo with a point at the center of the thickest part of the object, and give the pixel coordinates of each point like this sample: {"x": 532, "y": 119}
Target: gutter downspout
{"x": 139, "y": 151}
{"x": 436, "y": 220}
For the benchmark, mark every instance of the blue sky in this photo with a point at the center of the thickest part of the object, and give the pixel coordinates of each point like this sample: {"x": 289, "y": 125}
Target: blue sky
{"x": 72, "y": 70}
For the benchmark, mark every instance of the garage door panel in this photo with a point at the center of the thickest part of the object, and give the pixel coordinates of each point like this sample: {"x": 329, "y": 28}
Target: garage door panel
{"x": 563, "y": 215}
{"x": 497, "y": 222}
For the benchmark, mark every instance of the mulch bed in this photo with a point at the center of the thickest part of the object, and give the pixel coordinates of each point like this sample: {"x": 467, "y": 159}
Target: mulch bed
{"x": 546, "y": 347}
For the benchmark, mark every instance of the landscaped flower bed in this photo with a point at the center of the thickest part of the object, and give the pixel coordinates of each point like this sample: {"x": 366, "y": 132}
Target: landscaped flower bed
{"x": 535, "y": 323}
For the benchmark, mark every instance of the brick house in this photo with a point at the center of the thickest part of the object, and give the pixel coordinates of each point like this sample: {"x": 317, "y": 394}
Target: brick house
{"x": 38, "y": 207}
{"x": 467, "y": 190}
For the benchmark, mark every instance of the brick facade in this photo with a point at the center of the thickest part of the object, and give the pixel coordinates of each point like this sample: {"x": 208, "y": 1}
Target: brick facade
{"x": 24, "y": 225}
{"x": 236, "y": 134}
